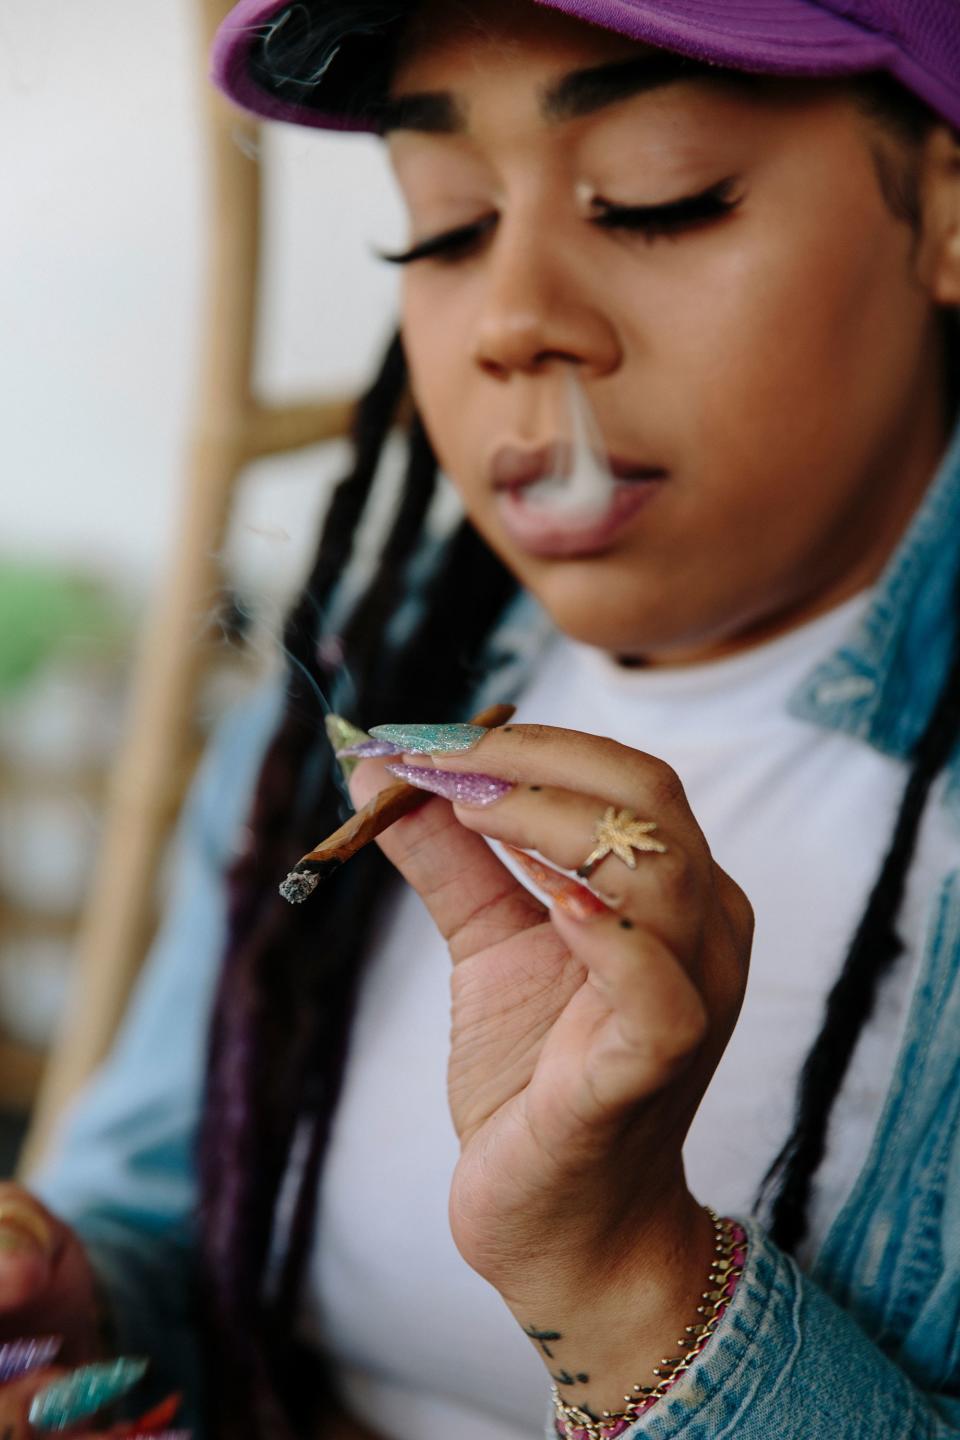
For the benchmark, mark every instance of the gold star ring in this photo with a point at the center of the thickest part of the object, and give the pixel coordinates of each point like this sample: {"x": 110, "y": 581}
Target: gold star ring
{"x": 619, "y": 833}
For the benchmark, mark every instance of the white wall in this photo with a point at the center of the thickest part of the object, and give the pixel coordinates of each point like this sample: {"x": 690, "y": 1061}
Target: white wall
{"x": 101, "y": 248}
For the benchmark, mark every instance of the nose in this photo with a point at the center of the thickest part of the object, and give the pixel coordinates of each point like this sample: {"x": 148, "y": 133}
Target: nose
{"x": 537, "y": 308}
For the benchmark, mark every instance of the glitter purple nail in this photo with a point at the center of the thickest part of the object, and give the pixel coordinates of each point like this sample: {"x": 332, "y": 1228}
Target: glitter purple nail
{"x": 462, "y": 789}
{"x": 369, "y": 750}
{"x": 22, "y": 1357}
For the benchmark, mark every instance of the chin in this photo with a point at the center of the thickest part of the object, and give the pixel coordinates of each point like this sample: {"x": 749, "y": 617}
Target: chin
{"x": 593, "y": 620}
{"x": 631, "y": 625}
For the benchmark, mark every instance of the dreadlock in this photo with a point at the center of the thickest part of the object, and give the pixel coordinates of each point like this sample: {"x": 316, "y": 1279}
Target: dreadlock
{"x": 290, "y": 975}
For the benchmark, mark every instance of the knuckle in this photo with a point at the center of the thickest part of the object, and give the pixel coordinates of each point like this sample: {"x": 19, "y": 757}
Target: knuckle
{"x": 738, "y": 907}
{"x": 521, "y": 734}
{"x": 679, "y": 1038}
{"x": 677, "y": 876}
{"x": 664, "y": 785}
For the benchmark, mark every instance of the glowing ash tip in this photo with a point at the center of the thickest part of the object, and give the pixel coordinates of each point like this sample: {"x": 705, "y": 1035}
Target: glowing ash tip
{"x": 299, "y": 886}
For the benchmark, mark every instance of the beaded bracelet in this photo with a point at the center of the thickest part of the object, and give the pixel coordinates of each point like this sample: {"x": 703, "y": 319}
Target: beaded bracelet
{"x": 730, "y": 1248}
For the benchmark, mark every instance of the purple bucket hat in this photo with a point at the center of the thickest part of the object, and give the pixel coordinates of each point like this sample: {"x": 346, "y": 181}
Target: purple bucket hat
{"x": 324, "y": 64}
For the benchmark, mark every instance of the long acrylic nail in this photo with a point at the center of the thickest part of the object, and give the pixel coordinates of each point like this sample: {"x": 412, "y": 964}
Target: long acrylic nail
{"x": 574, "y": 900}
{"x": 369, "y": 750}
{"x": 342, "y": 733}
{"x": 22, "y": 1357}
{"x": 342, "y": 736}
{"x": 431, "y": 739}
{"x": 462, "y": 789}
{"x": 22, "y": 1227}
{"x": 17, "y": 1242}
{"x": 83, "y": 1392}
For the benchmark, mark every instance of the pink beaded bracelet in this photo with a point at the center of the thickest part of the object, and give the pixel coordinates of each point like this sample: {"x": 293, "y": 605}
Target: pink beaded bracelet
{"x": 572, "y": 1423}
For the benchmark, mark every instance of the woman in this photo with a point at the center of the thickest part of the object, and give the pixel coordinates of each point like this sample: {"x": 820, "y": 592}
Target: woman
{"x": 739, "y": 233}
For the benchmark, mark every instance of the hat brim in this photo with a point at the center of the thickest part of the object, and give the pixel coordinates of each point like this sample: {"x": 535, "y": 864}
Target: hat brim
{"x": 774, "y": 37}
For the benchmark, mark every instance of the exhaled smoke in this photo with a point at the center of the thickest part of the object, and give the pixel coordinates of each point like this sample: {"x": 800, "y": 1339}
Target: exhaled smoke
{"x": 582, "y": 483}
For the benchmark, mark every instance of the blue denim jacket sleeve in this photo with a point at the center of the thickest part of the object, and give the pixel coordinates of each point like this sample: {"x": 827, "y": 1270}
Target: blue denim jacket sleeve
{"x": 789, "y": 1364}
{"x": 121, "y": 1168}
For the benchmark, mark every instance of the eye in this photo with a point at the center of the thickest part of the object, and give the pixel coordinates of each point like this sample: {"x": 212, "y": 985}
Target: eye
{"x": 673, "y": 218}
{"x": 451, "y": 245}
{"x": 652, "y": 221}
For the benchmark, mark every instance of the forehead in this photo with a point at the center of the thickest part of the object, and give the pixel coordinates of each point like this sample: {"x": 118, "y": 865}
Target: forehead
{"x": 447, "y": 38}
{"x": 519, "y": 61}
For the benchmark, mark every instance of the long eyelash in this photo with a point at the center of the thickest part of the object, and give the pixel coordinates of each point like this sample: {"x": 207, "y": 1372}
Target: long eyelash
{"x": 651, "y": 220}
{"x": 450, "y": 244}
{"x": 654, "y": 220}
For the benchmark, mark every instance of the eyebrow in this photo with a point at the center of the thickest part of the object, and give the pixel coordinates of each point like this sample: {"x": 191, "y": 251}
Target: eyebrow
{"x": 573, "y": 96}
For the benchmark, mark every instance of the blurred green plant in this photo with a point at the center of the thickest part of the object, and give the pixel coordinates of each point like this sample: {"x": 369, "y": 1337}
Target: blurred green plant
{"x": 47, "y": 612}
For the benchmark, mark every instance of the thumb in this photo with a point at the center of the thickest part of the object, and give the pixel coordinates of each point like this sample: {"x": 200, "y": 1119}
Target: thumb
{"x": 28, "y": 1248}
{"x": 474, "y": 899}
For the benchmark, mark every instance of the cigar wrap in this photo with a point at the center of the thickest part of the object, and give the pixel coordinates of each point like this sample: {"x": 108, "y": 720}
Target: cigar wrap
{"x": 363, "y": 828}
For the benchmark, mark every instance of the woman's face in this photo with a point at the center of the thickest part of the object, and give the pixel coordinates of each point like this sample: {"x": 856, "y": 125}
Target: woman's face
{"x": 762, "y": 362}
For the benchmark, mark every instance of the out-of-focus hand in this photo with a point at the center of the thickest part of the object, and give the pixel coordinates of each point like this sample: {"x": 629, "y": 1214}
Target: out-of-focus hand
{"x": 47, "y": 1286}
{"x": 47, "y": 1290}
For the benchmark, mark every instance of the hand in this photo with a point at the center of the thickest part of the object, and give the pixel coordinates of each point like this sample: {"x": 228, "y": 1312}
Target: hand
{"x": 46, "y": 1289}
{"x": 580, "y": 1049}
{"x": 46, "y": 1284}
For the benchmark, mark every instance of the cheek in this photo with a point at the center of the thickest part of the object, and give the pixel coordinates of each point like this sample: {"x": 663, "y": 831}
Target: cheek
{"x": 803, "y": 343}
{"x": 439, "y": 349}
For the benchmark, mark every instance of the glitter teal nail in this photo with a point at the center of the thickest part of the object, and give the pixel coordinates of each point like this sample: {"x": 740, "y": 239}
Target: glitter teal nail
{"x": 431, "y": 739}
{"x": 83, "y": 1392}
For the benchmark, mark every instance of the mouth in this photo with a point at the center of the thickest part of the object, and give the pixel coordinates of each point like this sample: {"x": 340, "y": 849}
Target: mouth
{"x": 529, "y": 488}
{"x": 514, "y": 468}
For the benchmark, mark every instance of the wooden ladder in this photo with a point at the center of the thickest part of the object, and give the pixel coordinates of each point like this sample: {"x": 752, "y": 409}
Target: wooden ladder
{"x": 230, "y": 429}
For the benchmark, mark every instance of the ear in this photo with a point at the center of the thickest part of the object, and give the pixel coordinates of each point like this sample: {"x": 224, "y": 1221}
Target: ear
{"x": 939, "y": 253}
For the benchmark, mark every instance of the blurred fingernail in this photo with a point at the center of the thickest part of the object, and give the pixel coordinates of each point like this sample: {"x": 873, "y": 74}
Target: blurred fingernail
{"x": 156, "y": 1421}
{"x": 342, "y": 735}
{"x": 431, "y": 739}
{"x": 574, "y": 900}
{"x": 462, "y": 789}
{"x": 16, "y": 1242}
{"x": 21, "y": 1357}
{"x": 22, "y": 1227}
{"x": 83, "y": 1392}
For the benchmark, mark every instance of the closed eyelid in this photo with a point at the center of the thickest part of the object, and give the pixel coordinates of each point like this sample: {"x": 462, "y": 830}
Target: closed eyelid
{"x": 444, "y": 240}
{"x": 706, "y": 204}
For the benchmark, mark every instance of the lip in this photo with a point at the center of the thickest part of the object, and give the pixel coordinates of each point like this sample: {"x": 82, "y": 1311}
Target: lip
{"x": 537, "y": 531}
{"x": 514, "y": 467}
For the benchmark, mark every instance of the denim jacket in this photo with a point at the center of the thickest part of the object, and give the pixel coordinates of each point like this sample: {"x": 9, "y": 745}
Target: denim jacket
{"x": 863, "y": 1346}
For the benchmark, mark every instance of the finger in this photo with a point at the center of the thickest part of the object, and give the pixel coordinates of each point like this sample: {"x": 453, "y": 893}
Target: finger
{"x": 649, "y": 874}
{"x": 17, "y": 1397}
{"x": 566, "y": 758}
{"x": 30, "y": 1240}
{"x": 473, "y": 898}
{"x": 656, "y": 1019}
